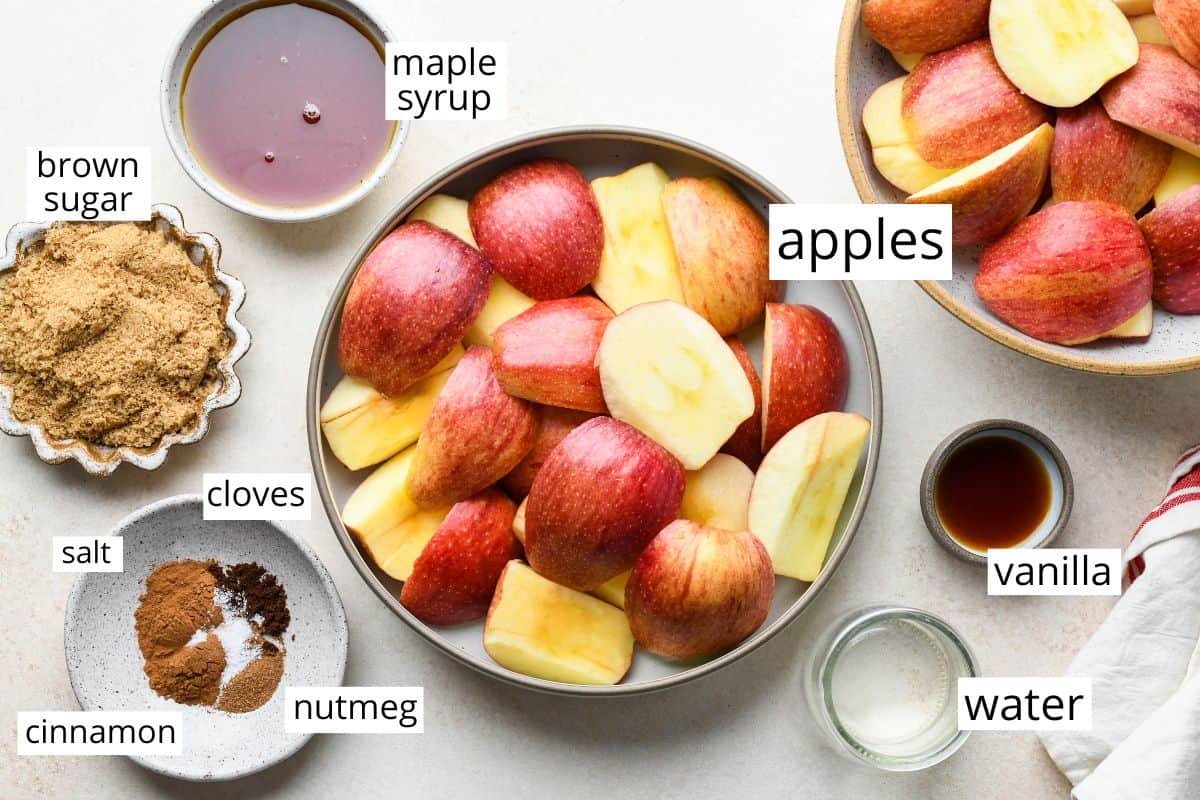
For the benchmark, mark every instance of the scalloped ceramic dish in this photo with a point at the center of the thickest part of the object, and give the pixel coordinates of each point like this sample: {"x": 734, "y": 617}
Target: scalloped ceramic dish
{"x": 205, "y": 252}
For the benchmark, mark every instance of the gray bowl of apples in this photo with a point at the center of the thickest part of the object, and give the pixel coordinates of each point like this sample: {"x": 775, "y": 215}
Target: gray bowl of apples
{"x": 567, "y": 429}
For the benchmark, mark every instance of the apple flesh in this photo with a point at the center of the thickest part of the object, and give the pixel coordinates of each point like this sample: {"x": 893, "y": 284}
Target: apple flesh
{"x": 1180, "y": 20}
{"x": 891, "y": 146}
{"x": 718, "y": 494}
{"x": 721, "y": 243}
{"x": 800, "y": 489}
{"x": 959, "y": 107}
{"x": 925, "y": 26}
{"x": 599, "y": 498}
{"x": 548, "y": 353}
{"x": 805, "y": 369}
{"x": 1160, "y": 97}
{"x": 1135, "y": 8}
{"x": 455, "y": 576}
{"x": 539, "y": 224}
{"x": 409, "y": 305}
{"x": 1181, "y": 175}
{"x": 1173, "y": 232}
{"x": 746, "y": 441}
{"x": 613, "y": 590}
{"x": 518, "y": 526}
{"x": 475, "y": 435}
{"x": 556, "y": 424}
{"x": 907, "y": 60}
{"x": 1139, "y": 326}
{"x": 638, "y": 264}
{"x": 1069, "y": 273}
{"x": 1149, "y": 30}
{"x": 697, "y": 590}
{"x": 1098, "y": 158}
{"x": 996, "y": 192}
{"x": 668, "y": 373}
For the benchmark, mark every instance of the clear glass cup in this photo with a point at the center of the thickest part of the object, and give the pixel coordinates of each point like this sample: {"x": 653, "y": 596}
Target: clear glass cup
{"x": 882, "y": 684}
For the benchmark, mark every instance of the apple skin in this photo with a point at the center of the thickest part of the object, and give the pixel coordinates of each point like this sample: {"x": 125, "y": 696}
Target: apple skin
{"x": 548, "y": 353}
{"x": 1098, "y": 158}
{"x": 805, "y": 369}
{"x": 891, "y": 145}
{"x": 455, "y": 576}
{"x": 1069, "y": 273}
{"x": 746, "y": 442}
{"x": 556, "y": 424}
{"x": 1160, "y": 96}
{"x": 697, "y": 590}
{"x": 411, "y": 302}
{"x": 925, "y": 26}
{"x": 1181, "y": 20}
{"x": 597, "y": 501}
{"x": 959, "y": 106}
{"x": 539, "y": 224}
{"x": 475, "y": 435}
{"x": 1173, "y": 233}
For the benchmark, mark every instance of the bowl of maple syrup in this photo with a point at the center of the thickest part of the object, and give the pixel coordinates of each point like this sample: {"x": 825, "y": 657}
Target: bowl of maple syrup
{"x": 996, "y": 484}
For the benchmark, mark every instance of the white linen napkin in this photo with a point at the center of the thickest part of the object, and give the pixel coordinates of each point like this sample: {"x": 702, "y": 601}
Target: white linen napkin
{"x": 1144, "y": 662}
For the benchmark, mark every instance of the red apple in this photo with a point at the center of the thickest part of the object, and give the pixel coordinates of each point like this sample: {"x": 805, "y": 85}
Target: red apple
{"x": 556, "y": 424}
{"x": 746, "y": 442}
{"x": 1160, "y": 96}
{"x": 599, "y": 498}
{"x": 1173, "y": 233}
{"x": 540, "y": 225}
{"x": 697, "y": 590}
{"x": 1181, "y": 21}
{"x": 925, "y": 26}
{"x": 805, "y": 369}
{"x": 548, "y": 353}
{"x": 411, "y": 302}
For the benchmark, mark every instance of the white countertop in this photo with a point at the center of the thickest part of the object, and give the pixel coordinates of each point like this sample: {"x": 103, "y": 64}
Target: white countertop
{"x": 754, "y": 80}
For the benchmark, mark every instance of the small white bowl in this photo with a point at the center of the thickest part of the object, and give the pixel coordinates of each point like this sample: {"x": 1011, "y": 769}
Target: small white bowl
{"x": 171, "y": 88}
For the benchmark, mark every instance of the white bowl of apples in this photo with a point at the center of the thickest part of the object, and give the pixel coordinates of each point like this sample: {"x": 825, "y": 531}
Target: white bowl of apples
{"x": 1066, "y": 135}
{"x": 539, "y": 430}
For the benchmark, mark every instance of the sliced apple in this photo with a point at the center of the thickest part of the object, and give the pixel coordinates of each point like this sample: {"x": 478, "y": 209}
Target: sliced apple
{"x": 1180, "y": 20}
{"x": 746, "y": 441}
{"x": 1149, "y": 30}
{"x": 1139, "y": 326}
{"x": 448, "y": 213}
{"x": 518, "y": 525}
{"x": 1135, "y": 8}
{"x": 638, "y": 264}
{"x": 996, "y": 192}
{"x": 907, "y": 60}
{"x": 800, "y": 489}
{"x": 669, "y": 374}
{"x": 1181, "y": 175}
{"x": 805, "y": 368}
{"x": 925, "y": 26}
{"x": 538, "y": 628}
{"x": 613, "y": 590}
{"x": 556, "y": 424}
{"x": 1160, "y": 97}
{"x": 718, "y": 494}
{"x": 1173, "y": 233}
{"x": 891, "y": 148}
{"x": 385, "y": 520}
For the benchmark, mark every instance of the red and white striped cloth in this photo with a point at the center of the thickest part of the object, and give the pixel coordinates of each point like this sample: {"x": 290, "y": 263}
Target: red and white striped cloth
{"x": 1144, "y": 662}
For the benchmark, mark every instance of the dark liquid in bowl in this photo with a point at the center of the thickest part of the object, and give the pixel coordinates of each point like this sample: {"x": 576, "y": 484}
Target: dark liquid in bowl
{"x": 993, "y": 491}
{"x": 284, "y": 105}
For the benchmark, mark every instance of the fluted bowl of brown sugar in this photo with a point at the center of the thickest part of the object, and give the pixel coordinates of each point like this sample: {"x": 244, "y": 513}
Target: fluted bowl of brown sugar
{"x": 144, "y": 417}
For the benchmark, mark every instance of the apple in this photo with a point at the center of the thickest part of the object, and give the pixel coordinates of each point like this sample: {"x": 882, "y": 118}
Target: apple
{"x": 539, "y": 224}
{"x": 996, "y": 192}
{"x": 613, "y": 590}
{"x": 547, "y": 354}
{"x": 385, "y": 520}
{"x": 805, "y": 368}
{"x": 891, "y": 146}
{"x": 925, "y": 26}
{"x": 1060, "y": 52}
{"x": 1180, "y": 20}
{"x": 455, "y": 576}
{"x": 721, "y": 243}
{"x": 1135, "y": 8}
{"x": 800, "y": 488}
{"x": 1139, "y": 326}
{"x": 556, "y": 424}
{"x": 538, "y": 628}
{"x": 746, "y": 441}
{"x": 907, "y": 60}
{"x": 718, "y": 494}
{"x": 1181, "y": 175}
{"x": 518, "y": 525}
{"x": 697, "y": 590}
{"x": 1173, "y": 232}
{"x": 638, "y": 264}
{"x": 475, "y": 435}
{"x": 1149, "y": 30}
{"x": 1097, "y": 158}
{"x": 598, "y": 499}
{"x": 448, "y": 213}
{"x": 1069, "y": 273}
{"x": 959, "y": 107}
{"x": 409, "y": 305}
{"x": 1160, "y": 96}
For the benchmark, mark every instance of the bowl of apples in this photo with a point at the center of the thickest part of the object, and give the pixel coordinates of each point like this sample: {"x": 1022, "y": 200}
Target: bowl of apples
{"x": 1066, "y": 136}
{"x": 566, "y": 427}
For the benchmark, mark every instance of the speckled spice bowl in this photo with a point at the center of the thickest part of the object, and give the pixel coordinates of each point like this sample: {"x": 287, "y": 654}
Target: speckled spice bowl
{"x": 105, "y": 664}
{"x": 100, "y": 460}
{"x": 863, "y": 66}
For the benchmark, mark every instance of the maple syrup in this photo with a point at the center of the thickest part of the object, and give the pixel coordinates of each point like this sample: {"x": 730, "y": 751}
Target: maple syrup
{"x": 992, "y": 491}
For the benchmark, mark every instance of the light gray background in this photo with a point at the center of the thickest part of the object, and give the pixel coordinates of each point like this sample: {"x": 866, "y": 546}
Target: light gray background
{"x": 752, "y": 79}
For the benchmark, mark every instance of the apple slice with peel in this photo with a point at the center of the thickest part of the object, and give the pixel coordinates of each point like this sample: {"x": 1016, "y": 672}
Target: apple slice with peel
{"x": 1139, "y": 326}
{"x": 538, "y": 628}
{"x": 448, "y": 213}
{"x": 668, "y": 373}
{"x": 1180, "y": 20}
{"x": 1149, "y": 30}
{"x": 994, "y": 193}
{"x": 805, "y": 368}
{"x": 556, "y": 424}
{"x": 891, "y": 147}
{"x": 718, "y": 494}
{"x": 746, "y": 442}
{"x": 385, "y": 520}
{"x": 800, "y": 489}
{"x": 1060, "y": 52}
{"x": 613, "y": 590}
{"x": 925, "y": 26}
{"x": 1173, "y": 233}
{"x": 1181, "y": 175}
{"x": 638, "y": 264}
{"x": 1160, "y": 97}
{"x": 455, "y": 576}
{"x": 518, "y": 525}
